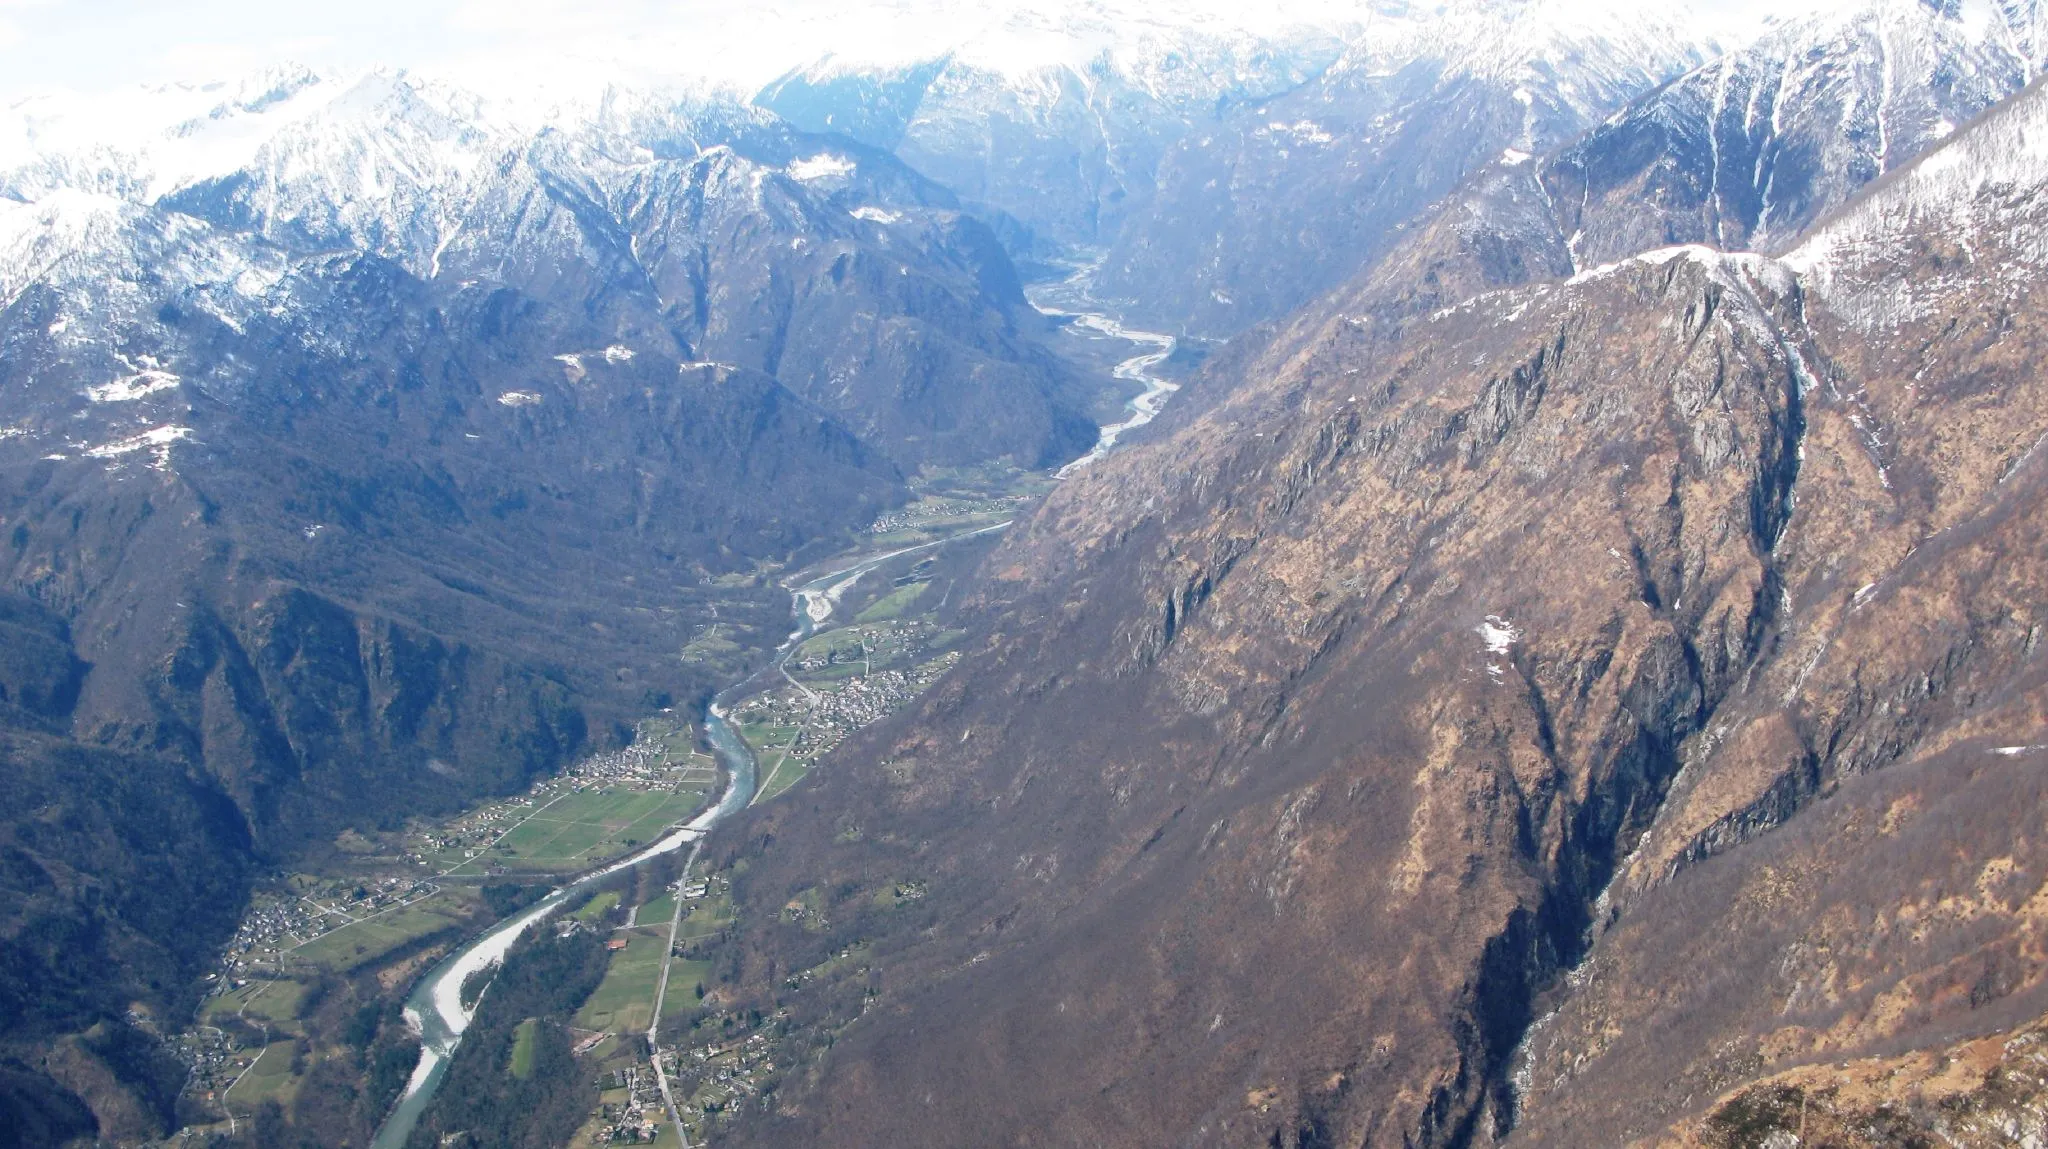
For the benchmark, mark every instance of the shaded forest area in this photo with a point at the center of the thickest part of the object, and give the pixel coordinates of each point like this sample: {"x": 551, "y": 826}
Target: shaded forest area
{"x": 514, "y": 1082}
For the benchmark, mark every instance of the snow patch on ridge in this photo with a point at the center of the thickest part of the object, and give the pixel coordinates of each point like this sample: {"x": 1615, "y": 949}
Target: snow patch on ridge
{"x": 156, "y": 440}
{"x": 823, "y": 166}
{"x": 1983, "y": 196}
{"x": 1303, "y": 132}
{"x": 1739, "y": 269}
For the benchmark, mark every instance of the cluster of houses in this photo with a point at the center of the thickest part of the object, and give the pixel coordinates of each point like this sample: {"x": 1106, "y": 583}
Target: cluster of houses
{"x": 274, "y": 925}
{"x": 927, "y": 511}
{"x": 646, "y": 765}
{"x": 829, "y": 715}
{"x": 720, "y": 1076}
{"x": 636, "y": 1120}
{"x": 864, "y": 701}
{"x": 212, "y": 1061}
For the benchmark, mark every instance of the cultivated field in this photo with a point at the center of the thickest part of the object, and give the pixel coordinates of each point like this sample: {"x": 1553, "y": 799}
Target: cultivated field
{"x": 658, "y": 911}
{"x": 624, "y": 1002}
{"x": 368, "y": 939}
{"x": 581, "y": 828}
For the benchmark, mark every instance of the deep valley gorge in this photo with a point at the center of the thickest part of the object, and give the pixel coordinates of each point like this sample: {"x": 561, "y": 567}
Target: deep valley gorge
{"x": 1439, "y": 575}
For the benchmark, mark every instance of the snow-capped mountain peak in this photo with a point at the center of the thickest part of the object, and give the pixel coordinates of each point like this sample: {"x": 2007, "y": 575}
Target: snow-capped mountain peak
{"x": 378, "y": 160}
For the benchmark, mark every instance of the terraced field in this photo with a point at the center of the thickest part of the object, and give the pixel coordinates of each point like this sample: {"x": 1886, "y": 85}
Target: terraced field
{"x": 268, "y": 1078}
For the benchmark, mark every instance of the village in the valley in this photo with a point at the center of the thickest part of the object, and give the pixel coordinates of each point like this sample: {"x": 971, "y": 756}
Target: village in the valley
{"x": 885, "y": 643}
{"x": 387, "y": 907}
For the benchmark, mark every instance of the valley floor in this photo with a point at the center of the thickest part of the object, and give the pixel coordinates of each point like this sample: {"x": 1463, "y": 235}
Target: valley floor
{"x": 381, "y": 910}
{"x": 386, "y": 908}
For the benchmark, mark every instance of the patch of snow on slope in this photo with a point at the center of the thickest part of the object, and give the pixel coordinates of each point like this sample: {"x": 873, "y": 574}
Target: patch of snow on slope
{"x": 1303, "y": 132}
{"x": 1696, "y": 253}
{"x": 823, "y": 166}
{"x": 1551, "y": 54}
{"x": 1982, "y": 196}
{"x": 157, "y": 440}
{"x": 148, "y": 379}
{"x": 35, "y": 237}
{"x": 380, "y": 160}
{"x": 1499, "y": 634}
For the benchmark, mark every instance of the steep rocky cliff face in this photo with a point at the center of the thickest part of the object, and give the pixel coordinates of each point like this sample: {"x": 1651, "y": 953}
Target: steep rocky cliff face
{"x": 1532, "y": 716}
{"x": 1901, "y": 910}
{"x": 1363, "y": 807}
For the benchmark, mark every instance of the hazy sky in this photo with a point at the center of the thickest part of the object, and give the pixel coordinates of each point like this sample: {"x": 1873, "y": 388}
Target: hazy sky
{"x": 100, "y": 43}
{"x": 96, "y": 44}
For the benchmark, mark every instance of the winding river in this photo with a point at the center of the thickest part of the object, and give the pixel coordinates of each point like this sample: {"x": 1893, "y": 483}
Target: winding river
{"x": 1069, "y": 300}
{"x": 435, "y": 1008}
